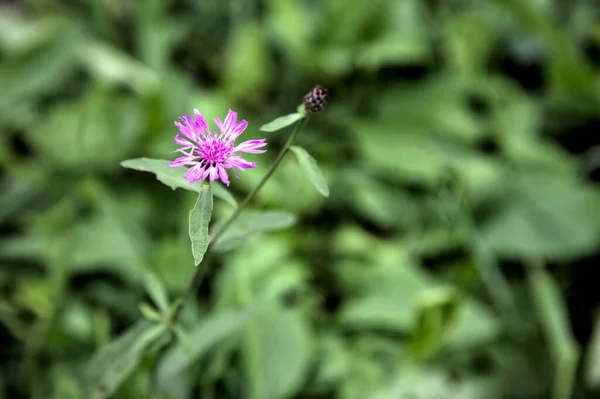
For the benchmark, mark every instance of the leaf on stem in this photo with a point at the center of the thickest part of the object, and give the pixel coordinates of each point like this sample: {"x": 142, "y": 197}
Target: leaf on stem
{"x": 113, "y": 363}
{"x": 281, "y": 122}
{"x": 253, "y": 223}
{"x": 199, "y": 220}
{"x": 311, "y": 170}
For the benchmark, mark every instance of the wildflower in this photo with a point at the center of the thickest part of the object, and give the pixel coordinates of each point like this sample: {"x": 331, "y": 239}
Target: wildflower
{"x": 314, "y": 100}
{"x": 210, "y": 154}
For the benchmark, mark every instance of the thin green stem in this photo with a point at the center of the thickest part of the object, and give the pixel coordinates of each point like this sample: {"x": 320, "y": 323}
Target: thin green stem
{"x": 266, "y": 177}
{"x": 200, "y": 270}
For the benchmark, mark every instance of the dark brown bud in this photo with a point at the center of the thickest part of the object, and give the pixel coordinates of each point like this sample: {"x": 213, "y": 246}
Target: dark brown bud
{"x": 314, "y": 100}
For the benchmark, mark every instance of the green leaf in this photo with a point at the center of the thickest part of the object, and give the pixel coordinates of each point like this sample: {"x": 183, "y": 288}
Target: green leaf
{"x": 113, "y": 363}
{"x": 76, "y": 134}
{"x": 281, "y": 122}
{"x": 41, "y": 69}
{"x": 309, "y": 165}
{"x": 253, "y": 223}
{"x": 112, "y": 66}
{"x": 277, "y": 349}
{"x": 157, "y": 292}
{"x": 546, "y": 218}
{"x": 301, "y": 110}
{"x": 221, "y": 192}
{"x": 197, "y": 342}
{"x": 247, "y": 69}
{"x": 15, "y": 196}
{"x": 172, "y": 177}
{"x": 149, "y": 312}
{"x": 199, "y": 220}
{"x": 552, "y": 313}
{"x": 592, "y": 361}
{"x": 388, "y": 298}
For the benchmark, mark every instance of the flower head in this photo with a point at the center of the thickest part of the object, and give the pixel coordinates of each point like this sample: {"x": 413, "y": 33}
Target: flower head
{"x": 314, "y": 100}
{"x": 210, "y": 153}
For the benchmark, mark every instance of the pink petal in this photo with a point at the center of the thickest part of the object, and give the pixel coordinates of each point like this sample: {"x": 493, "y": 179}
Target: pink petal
{"x": 182, "y": 141}
{"x": 237, "y": 130}
{"x": 214, "y": 173}
{"x": 182, "y": 161}
{"x": 201, "y": 124}
{"x": 251, "y": 146}
{"x": 230, "y": 121}
{"x": 193, "y": 174}
{"x": 219, "y": 124}
{"x": 223, "y": 175}
{"x": 184, "y": 130}
{"x": 241, "y": 163}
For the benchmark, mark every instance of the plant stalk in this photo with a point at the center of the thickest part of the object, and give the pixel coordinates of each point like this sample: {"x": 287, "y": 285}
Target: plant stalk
{"x": 200, "y": 270}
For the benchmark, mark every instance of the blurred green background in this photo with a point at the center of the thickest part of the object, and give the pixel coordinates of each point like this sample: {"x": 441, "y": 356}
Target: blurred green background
{"x": 455, "y": 258}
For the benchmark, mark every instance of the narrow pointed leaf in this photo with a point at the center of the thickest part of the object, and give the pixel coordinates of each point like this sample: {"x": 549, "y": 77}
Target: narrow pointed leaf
{"x": 552, "y": 313}
{"x": 277, "y": 352}
{"x": 197, "y": 342}
{"x": 172, "y": 177}
{"x": 253, "y": 223}
{"x": 221, "y": 192}
{"x": 301, "y": 110}
{"x": 281, "y": 122}
{"x": 113, "y": 363}
{"x": 311, "y": 170}
{"x": 592, "y": 358}
{"x": 149, "y": 312}
{"x": 157, "y": 292}
{"x": 199, "y": 220}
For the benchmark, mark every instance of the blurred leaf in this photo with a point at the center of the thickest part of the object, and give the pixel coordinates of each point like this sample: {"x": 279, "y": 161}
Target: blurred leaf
{"x": 109, "y": 65}
{"x": 435, "y": 383}
{"x": 474, "y": 326}
{"x": 546, "y": 218}
{"x": 289, "y": 22}
{"x": 149, "y": 312}
{"x": 301, "y": 110}
{"x": 388, "y": 298}
{"x": 281, "y": 122}
{"x": 39, "y": 70}
{"x": 172, "y": 177}
{"x": 94, "y": 132}
{"x": 469, "y": 41}
{"x": 14, "y": 196}
{"x": 277, "y": 351}
{"x": 402, "y": 36}
{"x": 89, "y": 242}
{"x": 221, "y": 192}
{"x": 309, "y": 165}
{"x": 251, "y": 223}
{"x": 113, "y": 363}
{"x": 247, "y": 69}
{"x": 197, "y": 342}
{"x": 592, "y": 358}
{"x": 157, "y": 34}
{"x": 380, "y": 203}
{"x": 199, "y": 220}
{"x": 157, "y": 292}
{"x": 287, "y": 189}
{"x": 556, "y": 326}
{"x": 18, "y": 35}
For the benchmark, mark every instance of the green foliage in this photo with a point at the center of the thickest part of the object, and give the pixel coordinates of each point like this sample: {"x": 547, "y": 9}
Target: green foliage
{"x": 450, "y": 253}
{"x": 199, "y": 220}
{"x": 281, "y": 122}
{"x": 116, "y": 361}
{"x": 310, "y": 167}
{"x": 251, "y": 223}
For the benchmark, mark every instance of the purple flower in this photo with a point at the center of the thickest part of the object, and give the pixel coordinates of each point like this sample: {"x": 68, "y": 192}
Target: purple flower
{"x": 209, "y": 154}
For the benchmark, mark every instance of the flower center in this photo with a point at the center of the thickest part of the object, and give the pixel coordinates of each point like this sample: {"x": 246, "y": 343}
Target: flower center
{"x": 213, "y": 151}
